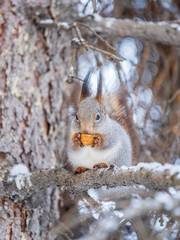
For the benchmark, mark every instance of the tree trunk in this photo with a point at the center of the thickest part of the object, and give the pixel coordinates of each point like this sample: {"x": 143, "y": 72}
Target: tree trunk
{"x": 34, "y": 65}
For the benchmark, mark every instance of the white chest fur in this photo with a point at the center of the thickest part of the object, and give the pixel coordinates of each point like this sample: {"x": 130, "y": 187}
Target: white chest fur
{"x": 88, "y": 156}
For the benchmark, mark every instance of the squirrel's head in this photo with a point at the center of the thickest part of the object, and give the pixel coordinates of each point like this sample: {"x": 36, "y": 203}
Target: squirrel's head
{"x": 91, "y": 111}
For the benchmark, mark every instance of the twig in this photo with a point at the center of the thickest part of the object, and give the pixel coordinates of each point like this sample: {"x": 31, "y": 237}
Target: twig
{"x": 73, "y": 67}
{"x": 174, "y": 96}
{"x": 97, "y": 35}
{"x": 70, "y": 77}
{"x": 110, "y": 55}
{"x": 94, "y": 6}
{"x": 84, "y": 9}
{"x": 88, "y": 46}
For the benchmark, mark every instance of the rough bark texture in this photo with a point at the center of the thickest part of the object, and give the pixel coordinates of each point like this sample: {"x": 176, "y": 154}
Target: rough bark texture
{"x": 33, "y": 68}
{"x": 156, "y": 177}
{"x": 163, "y": 32}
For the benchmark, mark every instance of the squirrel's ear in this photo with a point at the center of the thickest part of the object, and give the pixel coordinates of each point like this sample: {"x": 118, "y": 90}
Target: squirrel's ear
{"x": 99, "y": 89}
{"x": 85, "y": 91}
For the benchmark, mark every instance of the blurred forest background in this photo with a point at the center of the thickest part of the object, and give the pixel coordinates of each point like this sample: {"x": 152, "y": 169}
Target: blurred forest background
{"x": 42, "y": 57}
{"x": 149, "y": 73}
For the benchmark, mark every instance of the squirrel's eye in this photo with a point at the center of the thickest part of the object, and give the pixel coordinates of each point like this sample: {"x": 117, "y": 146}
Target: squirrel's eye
{"x": 77, "y": 117}
{"x": 97, "y": 116}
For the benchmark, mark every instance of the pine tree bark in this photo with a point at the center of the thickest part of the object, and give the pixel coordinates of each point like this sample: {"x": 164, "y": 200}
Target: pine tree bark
{"x": 34, "y": 65}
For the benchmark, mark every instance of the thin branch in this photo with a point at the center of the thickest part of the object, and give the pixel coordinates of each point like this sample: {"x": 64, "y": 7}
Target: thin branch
{"x": 154, "y": 176}
{"x": 88, "y": 46}
{"x": 110, "y": 55}
{"x": 97, "y": 35}
{"x": 94, "y": 6}
{"x": 84, "y": 9}
{"x": 71, "y": 77}
{"x": 174, "y": 96}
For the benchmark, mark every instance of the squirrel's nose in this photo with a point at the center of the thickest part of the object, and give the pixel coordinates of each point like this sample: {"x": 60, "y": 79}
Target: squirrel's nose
{"x": 86, "y": 128}
{"x": 85, "y": 132}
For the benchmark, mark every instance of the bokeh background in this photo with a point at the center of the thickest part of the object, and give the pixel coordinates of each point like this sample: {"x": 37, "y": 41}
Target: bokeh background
{"x": 149, "y": 73}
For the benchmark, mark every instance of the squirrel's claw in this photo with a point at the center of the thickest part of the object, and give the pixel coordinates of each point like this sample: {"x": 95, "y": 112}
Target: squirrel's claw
{"x": 100, "y": 165}
{"x": 80, "y": 170}
{"x": 97, "y": 141}
{"x": 77, "y": 141}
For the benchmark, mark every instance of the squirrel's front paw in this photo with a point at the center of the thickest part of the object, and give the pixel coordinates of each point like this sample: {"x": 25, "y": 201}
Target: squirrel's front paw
{"x": 77, "y": 141}
{"x": 80, "y": 170}
{"x": 100, "y": 165}
{"x": 97, "y": 141}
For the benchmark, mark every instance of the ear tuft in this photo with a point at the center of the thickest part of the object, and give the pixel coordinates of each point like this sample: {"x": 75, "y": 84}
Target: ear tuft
{"x": 99, "y": 89}
{"x": 85, "y": 91}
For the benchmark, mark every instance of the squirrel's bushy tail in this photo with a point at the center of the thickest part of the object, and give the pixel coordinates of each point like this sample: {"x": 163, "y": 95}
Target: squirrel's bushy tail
{"x": 117, "y": 109}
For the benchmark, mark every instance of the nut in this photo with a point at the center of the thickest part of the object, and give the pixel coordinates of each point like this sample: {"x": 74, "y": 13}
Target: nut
{"x": 87, "y": 139}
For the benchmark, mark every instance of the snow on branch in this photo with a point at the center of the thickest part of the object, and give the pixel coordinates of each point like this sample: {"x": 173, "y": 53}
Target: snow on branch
{"x": 162, "y": 201}
{"x": 153, "y": 175}
{"x": 163, "y": 32}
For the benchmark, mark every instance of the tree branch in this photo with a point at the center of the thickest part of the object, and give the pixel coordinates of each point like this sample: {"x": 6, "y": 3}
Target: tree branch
{"x": 163, "y": 32}
{"x": 154, "y": 176}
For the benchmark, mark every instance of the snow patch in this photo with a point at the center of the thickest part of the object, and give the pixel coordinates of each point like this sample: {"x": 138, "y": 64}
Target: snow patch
{"x": 63, "y": 24}
{"x": 19, "y": 169}
{"x": 119, "y": 214}
{"x": 175, "y": 26}
{"x": 172, "y": 191}
{"x": 97, "y": 17}
{"x": 76, "y": 40}
{"x": 155, "y": 166}
{"x": 20, "y": 173}
{"x": 50, "y": 21}
{"x": 46, "y": 21}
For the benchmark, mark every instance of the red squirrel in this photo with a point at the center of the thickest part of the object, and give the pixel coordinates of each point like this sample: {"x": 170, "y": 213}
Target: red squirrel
{"x": 108, "y": 119}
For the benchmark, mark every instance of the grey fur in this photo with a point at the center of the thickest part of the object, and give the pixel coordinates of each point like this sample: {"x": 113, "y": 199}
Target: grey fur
{"x": 116, "y": 145}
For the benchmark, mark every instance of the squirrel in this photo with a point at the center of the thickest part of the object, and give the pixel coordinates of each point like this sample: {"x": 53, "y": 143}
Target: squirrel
{"x": 109, "y": 121}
